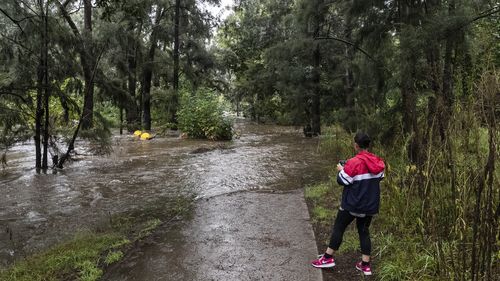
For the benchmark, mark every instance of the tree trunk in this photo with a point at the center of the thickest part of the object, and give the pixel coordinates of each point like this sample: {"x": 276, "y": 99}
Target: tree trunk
{"x": 348, "y": 80}
{"x": 39, "y": 115}
{"x": 121, "y": 120}
{"x": 409, "y": 102}
{"x": 433, "y": 60}
{"x": 132, "y": 112}
{"x": 448, "y": 102}
{"x": 88, "y": 100}
{"x": 132, "y": 108}
{"x": 409, "y": 13}
{"x": 86, "y": 51}
{"x": 175, "y": 97}
{"x": 39, "y": 96}
{"x": 88, "y": 63}
{"x": 46, "y": 87}
{"x": 314, "y": 113}
{"x": 148, "y": 73}
{"x": 448, "y": 98}
{"x": 316, "y": 98}
{"x": 71, "y": 145}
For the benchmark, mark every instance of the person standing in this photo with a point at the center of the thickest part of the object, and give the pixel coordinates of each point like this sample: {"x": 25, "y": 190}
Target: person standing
{"x": 360, "y": 178}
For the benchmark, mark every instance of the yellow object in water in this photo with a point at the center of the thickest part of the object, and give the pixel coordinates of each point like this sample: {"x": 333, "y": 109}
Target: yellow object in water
{"x": 145, "y": 136}
{"x": 137, "y": 133}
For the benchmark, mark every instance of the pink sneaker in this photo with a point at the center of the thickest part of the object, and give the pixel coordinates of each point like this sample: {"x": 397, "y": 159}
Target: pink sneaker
{"x": 323, "y": 262}
{"x": 364, "y": 268}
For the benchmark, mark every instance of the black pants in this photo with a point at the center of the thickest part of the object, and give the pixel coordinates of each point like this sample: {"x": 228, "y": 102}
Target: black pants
{"x": 344, "y": 218}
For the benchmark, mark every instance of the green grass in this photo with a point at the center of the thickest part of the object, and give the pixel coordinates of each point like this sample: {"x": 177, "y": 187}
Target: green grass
{"x": 85, "y": 256}
{"x": 317, "y": 192}
{"x": 321, "y": 195}
{"x": 149, "y": 226}
{"x": 325, "y": 198}
{"x": 350, "y": 242}
{"x": 113, "y": 257}
{"x": 79, "y": 257}
{"x": 410, "y": 242}
{"x": 322, "y": 214}
{"x": 89, "y": 271}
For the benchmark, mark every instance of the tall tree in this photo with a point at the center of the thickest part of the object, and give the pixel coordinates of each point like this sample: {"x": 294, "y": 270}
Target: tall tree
{"x": 175, "y": 80}
{"x": 87, "y": 56}
{"x": 44, "y": 63}
{"x": 148, "y": 69}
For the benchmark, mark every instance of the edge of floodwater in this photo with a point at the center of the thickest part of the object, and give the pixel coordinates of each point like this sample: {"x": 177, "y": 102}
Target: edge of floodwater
{"x": 131, "y": 228}
{"x": 89, "y": 254}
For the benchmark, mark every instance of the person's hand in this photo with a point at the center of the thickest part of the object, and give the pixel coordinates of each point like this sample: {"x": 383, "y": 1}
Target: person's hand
{"x": 340, "y": 167}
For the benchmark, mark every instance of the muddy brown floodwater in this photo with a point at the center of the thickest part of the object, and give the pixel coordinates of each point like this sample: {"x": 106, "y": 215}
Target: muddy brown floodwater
{"x": 252, "y": 183}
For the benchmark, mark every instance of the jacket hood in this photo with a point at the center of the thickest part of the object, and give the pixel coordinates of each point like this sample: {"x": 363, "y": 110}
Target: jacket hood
{"x": 374, "y": 163}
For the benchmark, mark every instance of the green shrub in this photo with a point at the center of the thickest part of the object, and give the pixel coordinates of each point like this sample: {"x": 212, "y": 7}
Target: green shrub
{"x": 201, "y": 116}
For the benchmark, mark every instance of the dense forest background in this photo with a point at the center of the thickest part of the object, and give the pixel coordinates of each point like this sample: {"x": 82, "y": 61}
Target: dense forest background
{"x": 420, "y": 76}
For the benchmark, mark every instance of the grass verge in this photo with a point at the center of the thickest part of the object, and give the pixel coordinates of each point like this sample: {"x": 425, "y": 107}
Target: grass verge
{"x": 86, "y": 256}
{"x": 400, "y": 248}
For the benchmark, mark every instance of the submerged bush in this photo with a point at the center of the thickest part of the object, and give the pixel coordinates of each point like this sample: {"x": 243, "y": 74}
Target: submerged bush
{"x": 202, "y": 116}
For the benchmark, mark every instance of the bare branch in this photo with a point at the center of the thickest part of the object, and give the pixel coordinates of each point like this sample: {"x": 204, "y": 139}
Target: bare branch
{"x": 348, "y": 43}
{"x": 485, "y": 14}
{"x": 77, "y": 10}
{"x": 481, "y": 15}
{"x": 68, "y": 19}
{"x": 17, "y": 43}
{"x": 16, "y": 22}
{"x": 29, "y": 7}
{"x": 14, "y": 95}
{"x": 66, "y": 3}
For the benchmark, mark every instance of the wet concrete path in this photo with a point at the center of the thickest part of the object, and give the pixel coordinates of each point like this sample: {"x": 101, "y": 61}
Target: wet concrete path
{"x": 239, "y": 236}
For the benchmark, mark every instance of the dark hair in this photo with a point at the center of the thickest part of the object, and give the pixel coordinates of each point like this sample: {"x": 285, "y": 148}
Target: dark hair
{"x": 362, "y": 139}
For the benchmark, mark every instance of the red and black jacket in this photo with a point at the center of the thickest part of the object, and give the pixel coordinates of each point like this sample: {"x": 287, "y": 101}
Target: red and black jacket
{"x": 361, "y": 178}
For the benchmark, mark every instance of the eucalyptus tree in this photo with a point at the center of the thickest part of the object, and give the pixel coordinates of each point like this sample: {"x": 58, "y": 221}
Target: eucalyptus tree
{"x": 16, "y": 48}
{"x": 413, "y": 74}
{"x": 280, "y": 62}
{"x": 149, "y": 66}
{"x": 191, "y": 26}
{"x": 134, "y": 27}
{"x": 86, "y": 50}
{"x": 417, "y": 46}
{"x": 254, "y": 27}
{"x": 15, "y": 102}
{"x": 429, "y": 72}
{"x": 154, "y": 44}
{"x": 28, "y": 48}
{"x": 41, "y": 68}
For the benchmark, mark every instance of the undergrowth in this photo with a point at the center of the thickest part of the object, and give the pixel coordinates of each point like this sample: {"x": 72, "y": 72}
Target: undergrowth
{"x": 424, "y": 230}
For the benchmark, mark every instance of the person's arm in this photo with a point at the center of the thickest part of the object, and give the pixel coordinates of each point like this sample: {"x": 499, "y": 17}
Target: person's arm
{"x": 343, "y": 178}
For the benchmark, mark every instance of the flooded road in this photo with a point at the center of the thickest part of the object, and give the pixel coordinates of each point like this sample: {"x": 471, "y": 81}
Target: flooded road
{"x": 37, "y": 211}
